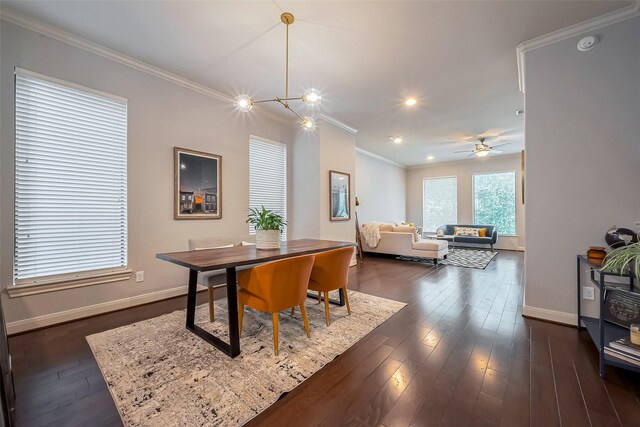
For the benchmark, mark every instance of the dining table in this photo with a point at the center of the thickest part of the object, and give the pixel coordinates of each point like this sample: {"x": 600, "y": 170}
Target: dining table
{"x": 230, "y": 259}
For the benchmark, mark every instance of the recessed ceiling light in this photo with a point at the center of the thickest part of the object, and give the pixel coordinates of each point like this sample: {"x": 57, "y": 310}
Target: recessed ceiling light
{"x": 396, "y": 139}
{"x": 430, "y": 158}
{"x": 410, "y": 102}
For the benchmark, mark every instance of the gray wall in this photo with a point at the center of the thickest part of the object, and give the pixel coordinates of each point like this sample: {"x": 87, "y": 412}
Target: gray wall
{"x": 464, "y": 171}
{"x": 382, "y": 189}
{"x": 161, "y": 115}
{"x": 583, "y": 158}
{"x": 314, "y": 155}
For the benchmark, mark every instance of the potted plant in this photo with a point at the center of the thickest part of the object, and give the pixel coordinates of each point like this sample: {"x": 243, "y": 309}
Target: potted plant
{"x": 268, "y": 225}
{"x": 624, "y": 259}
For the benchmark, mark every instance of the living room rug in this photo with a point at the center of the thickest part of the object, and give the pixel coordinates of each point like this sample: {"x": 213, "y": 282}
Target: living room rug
{"x": 160, "y": 374}
{"x": 467, "y": 258}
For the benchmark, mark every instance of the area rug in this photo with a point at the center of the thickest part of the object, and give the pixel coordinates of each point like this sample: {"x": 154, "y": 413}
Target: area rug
{"x": 467, "y": 258}
{"x": 160, "y": 374}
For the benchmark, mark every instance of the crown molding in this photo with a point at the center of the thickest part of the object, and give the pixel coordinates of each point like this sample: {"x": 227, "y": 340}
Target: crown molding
{"x": 572, "y": 31}
{"x": 465, "y": 161}
{"x": 338, "y": 123}
{"x": 56, "y": 33}
{"x": 379, "y": 157}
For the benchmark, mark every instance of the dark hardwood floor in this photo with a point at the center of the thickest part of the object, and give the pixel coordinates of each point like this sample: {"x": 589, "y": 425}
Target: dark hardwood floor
{"x": 460, "y": 354}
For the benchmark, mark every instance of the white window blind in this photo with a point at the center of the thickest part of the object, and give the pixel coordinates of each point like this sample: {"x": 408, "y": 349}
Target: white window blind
{"x": 70, "y": 180}
{"x": 268, "y": 177}
{"x": 440, "y": 202}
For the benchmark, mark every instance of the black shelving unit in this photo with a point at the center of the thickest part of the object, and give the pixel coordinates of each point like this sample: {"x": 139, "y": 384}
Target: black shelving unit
{"x": 601, "y": 331}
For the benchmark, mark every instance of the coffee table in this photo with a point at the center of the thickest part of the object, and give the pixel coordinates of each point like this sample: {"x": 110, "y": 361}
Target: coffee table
{"x": 450, "y": 238}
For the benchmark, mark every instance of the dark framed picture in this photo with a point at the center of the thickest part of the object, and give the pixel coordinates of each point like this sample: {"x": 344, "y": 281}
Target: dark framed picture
{"x": 198, "y": 184}
{"x": 622, "y": 307}
{"x": 340, "y": 196}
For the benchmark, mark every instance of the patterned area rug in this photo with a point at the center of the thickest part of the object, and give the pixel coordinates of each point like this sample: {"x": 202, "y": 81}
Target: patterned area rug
{"x": 160, "y": 374}
{"x": 468, "y": 258}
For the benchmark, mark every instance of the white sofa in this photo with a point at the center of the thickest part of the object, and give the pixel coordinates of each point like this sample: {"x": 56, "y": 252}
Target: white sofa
{"x": 400, "y": 243}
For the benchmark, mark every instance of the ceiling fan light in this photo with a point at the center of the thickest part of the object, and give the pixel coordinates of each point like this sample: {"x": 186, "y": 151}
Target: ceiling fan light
{"x": 243, "y": 103}
{"x": 312, "y": 96}
{"x": 308, "y": 124}
{"x": 482, "y": 153}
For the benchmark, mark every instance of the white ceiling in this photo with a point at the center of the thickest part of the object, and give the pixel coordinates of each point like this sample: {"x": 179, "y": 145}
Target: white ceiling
{"x": 457, "y": 57}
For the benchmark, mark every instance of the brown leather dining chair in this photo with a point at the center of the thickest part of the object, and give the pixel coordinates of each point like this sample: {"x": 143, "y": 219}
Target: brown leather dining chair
{"x": 331, "y": 272}
{"x": 276, "y": 286}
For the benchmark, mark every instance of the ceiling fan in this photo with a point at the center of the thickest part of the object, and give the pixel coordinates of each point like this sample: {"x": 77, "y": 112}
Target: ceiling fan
{"x": 481, "y": 149}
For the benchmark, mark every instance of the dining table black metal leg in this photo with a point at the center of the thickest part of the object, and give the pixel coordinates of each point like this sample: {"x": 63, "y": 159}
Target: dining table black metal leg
{"x": 339, "y": 301}
{"x": 231, "y": 349}
{"x": 232, "y": 301}
{"x": 191, "y": 298}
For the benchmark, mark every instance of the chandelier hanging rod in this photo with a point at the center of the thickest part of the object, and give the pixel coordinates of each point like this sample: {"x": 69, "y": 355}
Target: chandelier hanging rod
{"x": 311, "y": 96}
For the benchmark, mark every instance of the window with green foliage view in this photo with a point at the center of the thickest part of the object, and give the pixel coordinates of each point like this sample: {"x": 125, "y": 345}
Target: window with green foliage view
{"x": 494, "y": 200}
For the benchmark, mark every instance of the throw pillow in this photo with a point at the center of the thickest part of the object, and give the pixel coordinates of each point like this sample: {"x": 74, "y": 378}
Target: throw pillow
{"x": 407, "y": 229}
{"x": 466, "y": 231}
{"x": 482, "y": 232}
{"x": 386, "y": 227}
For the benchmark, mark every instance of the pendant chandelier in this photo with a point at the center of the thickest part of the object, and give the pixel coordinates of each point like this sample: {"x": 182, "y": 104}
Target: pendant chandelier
{"x": 310, "y": 96}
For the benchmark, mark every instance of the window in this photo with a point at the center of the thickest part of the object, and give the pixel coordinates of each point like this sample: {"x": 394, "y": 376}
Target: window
{"x": 70, "y": 180}
{"x": 268, "y": 177}
{"x": 494, "y": 200}
{"x": 440, "y": 202}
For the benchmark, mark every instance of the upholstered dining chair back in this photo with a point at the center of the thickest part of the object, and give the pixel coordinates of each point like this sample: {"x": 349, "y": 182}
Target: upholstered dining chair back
{"x": 280, "y": 284}
{"x": 331, "y": 272}
{"x": 331, "y": 269}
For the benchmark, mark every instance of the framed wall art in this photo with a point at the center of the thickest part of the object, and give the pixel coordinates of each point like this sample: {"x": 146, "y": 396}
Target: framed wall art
{"x": 198, "y": 184}
{"x": 340, "y": 196}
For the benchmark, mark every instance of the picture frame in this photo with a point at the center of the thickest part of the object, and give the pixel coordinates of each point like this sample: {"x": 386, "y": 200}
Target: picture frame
{"x": 197, "y": 184}
{"x": 339, "y": 196}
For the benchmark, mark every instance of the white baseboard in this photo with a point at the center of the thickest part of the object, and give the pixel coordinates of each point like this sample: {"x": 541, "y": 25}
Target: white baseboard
{"x": 91, "y": 310}
{"x": 521, "y": 248}
{"x": 551, "y": 315}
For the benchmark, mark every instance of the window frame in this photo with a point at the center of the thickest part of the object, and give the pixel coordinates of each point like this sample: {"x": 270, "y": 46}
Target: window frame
{"x": 424, "y": 179}
{"x": 252, "y": 137}
{"x": 59, "y": 281}
{"x": 515, "y": 197}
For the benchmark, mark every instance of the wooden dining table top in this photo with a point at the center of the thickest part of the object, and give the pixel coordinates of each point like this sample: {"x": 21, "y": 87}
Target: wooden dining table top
{"x": 215, "y": 259}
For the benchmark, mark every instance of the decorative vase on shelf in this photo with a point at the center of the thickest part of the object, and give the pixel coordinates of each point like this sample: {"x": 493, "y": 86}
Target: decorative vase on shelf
{"x": 267, "y": 239}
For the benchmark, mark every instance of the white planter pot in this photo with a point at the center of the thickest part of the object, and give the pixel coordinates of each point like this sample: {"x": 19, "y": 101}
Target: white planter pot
{"x": 267, "y": 239}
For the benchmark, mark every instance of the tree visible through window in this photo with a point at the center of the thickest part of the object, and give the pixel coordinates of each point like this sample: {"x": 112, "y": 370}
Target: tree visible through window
{"x": 494, "y": 200}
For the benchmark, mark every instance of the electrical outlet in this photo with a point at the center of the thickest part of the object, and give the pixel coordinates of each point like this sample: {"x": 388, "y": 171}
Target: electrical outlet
{"x": 139, "y": 276}
{"x": 588, "y": 293}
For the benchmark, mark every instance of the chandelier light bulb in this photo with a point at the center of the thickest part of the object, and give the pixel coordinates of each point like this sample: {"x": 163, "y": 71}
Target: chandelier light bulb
{"x": 308, "y": 124}
{"x": 243, "y": 103}
{"x": 482, "y": 153}
{"x": 397, "y": 139}
{"x": 312, "y": 96}
{"x": 410, "y": 102}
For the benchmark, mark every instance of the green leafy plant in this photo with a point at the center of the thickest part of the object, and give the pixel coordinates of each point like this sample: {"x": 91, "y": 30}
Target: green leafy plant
{"x": 621, "y": 259}
{"x": 264, "y": 219}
